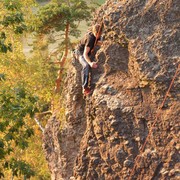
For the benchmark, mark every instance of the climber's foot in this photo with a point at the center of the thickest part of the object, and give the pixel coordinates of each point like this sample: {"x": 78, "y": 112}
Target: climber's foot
{"x": 86, "y": 91}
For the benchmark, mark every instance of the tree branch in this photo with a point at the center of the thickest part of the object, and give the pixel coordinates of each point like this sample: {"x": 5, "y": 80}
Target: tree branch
{"x": 39, "y": 124}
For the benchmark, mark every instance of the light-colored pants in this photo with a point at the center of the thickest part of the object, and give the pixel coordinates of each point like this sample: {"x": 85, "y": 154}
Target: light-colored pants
{"x": 85, "y": 71}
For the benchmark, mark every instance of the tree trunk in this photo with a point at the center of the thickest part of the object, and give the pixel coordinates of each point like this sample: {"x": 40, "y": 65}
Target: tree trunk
{"x": 63, "y": 60}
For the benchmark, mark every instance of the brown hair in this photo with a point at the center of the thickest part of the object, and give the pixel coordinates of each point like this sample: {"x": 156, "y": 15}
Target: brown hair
{"x": 96, "y": 28}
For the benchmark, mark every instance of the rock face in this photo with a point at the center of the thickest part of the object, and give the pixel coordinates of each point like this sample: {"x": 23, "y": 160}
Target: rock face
{"x": 124, "y": 130}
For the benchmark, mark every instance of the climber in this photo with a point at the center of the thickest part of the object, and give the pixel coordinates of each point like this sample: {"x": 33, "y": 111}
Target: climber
{"x": 84, "y": 49}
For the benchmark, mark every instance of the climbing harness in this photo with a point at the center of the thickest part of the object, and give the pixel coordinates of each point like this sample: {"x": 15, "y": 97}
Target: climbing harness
{"x": 137, "y": 159}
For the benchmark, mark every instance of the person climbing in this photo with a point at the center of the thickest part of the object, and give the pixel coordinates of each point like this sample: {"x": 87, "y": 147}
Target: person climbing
{"x": 84, "y": 49}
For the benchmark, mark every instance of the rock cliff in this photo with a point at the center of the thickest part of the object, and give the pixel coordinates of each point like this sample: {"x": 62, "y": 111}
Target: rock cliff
{"x": 129, "y": 127}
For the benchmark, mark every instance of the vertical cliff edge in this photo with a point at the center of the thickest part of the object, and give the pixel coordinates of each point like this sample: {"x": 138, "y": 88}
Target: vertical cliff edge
{"x": 123, "y": 131}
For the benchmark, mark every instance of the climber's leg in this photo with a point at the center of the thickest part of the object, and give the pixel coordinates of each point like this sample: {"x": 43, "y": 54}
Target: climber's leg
{"x": 85, "y": 72}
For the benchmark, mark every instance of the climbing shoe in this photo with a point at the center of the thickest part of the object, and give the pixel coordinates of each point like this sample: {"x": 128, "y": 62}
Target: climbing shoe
{"x": 86, "y": 91}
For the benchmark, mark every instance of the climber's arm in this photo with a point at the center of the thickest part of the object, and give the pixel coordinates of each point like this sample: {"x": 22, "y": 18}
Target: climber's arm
{"x": 99, "y": 43}
{"x": 86, "y": 57}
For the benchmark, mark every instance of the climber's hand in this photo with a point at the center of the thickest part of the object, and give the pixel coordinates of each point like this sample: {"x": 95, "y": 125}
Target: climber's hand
{"x": 93, "y": 65}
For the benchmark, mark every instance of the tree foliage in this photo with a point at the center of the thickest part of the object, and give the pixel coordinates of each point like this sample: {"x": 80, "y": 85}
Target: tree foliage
{"x": 11, "y": 21}
{"x": 15, "y": 105}
{"x": 61, "y": 16}
{"x": 18, "y": 103}
{"x": 56, "y": 14}
{"x": 27, "y": 83}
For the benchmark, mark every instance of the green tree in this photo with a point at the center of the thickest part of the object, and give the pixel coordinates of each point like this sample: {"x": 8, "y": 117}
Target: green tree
{"x": 11, "y": 21}
{"x": 62, "y": 16}
{"x": 15, "y": 105}
{"x": 18, "y": 103}
{"x": 27, "y": 83}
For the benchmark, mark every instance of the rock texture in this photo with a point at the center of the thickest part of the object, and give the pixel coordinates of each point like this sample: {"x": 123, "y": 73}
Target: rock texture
{"x": 123, "y": 131}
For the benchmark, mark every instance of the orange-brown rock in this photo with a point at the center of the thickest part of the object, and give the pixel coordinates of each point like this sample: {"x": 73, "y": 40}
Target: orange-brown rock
{"x": 105, "y": 133}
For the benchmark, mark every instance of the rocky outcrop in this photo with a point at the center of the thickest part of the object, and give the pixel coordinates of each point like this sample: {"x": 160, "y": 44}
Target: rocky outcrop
{"x": 123, "y": 131}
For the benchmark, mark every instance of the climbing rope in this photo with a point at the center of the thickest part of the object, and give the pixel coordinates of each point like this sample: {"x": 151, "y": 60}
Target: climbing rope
{"x": 156, "y": 119}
